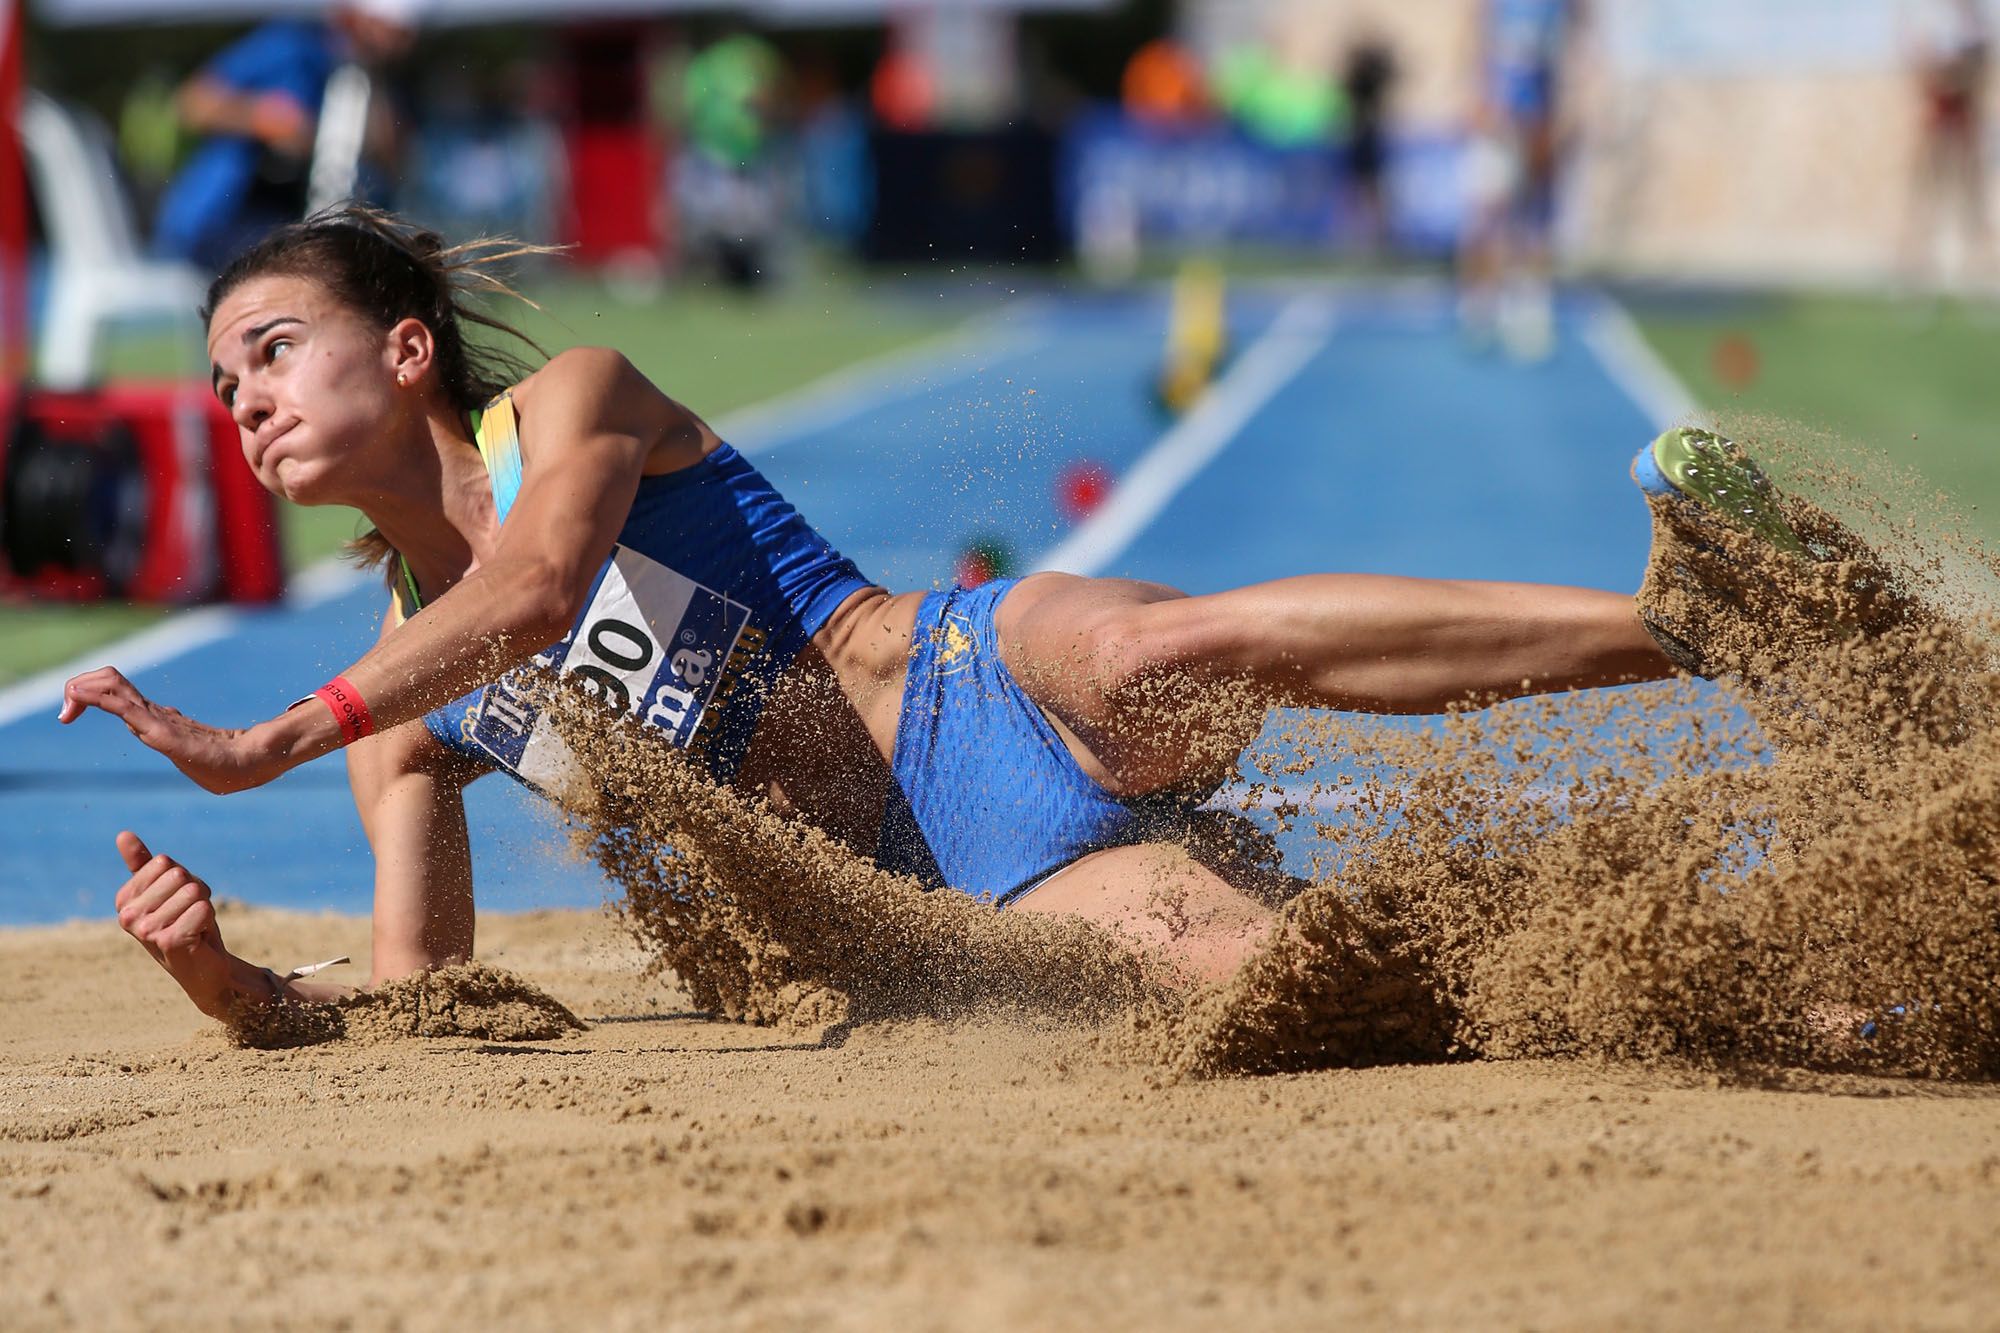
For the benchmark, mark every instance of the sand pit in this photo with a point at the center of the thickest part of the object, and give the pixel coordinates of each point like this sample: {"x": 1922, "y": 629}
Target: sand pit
{"x": 1654, "y": 1007}
{"x": 665, "y": 1170}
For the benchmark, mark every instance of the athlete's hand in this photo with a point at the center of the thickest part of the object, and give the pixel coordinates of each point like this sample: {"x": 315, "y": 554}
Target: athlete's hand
{"x": 168, "y": 910}
{"x": 219, "y": 759}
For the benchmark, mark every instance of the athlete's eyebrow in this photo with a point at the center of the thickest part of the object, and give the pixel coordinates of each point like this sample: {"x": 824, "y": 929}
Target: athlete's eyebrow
{"x": 256, "y": 331}
{"x": 250, "y": 335}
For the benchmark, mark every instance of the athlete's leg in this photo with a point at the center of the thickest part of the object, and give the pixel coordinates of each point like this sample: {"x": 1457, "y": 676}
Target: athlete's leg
{"x": 1162, "y": 900}
{"x": 1158, "y": 689}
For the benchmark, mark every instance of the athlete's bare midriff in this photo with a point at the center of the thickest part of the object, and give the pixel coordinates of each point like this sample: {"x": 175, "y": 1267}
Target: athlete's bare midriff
{"x": 824, "y": 741}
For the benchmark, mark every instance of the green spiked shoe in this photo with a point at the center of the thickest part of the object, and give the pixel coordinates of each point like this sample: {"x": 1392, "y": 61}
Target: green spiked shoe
{"x": 1698, "y": 468}
{"x": 1703, "y": 468}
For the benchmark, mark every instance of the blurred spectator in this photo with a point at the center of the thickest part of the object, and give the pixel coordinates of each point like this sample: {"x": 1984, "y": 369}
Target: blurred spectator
{"x": 726, "y": 184}
{"x": 1163, "y": 85}
{"x": 1949, "y": 46}
{"x": 835, "y": 176}
{"x": 1367, "y": 81}
{"x": 1277, "y": 102}
{"x": 1512, "y": 159}
{"x": 487, "y": 158}
{"x": 149, "y": 135}
{"x": 902, "y": 91}
{"x": 255, "y": 107}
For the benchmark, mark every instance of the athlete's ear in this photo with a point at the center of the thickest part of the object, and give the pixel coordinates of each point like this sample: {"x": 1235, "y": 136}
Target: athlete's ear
{"x": 411, "y": 350}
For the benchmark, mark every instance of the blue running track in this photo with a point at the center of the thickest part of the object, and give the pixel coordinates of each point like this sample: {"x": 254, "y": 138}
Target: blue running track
{"x": 1353, "y": 431}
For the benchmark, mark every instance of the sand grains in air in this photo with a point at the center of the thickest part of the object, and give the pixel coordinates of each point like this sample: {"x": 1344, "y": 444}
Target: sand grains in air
{"x": 1796, "y": 866}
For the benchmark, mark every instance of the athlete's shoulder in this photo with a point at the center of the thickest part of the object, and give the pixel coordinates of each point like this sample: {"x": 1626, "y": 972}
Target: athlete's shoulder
{"x": 580, "y": 370}
{"x": 597, "y": 391}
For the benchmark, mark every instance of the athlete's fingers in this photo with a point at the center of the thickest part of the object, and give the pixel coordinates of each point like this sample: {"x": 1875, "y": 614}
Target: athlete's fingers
{"x": 133, "y": 849}
{"x": 109, "y": 691}
{"x": 135, "y": 908}
{"x": 102, "y": 687}
{"x": 158, "y": 925}
{"x": 142, "y": 880}
{"x": 189, "y": 929}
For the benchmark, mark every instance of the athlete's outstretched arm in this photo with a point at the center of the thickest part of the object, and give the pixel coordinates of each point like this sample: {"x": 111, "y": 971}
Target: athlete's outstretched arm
{"x": 408, "y": 790}
{"x": 594, "y": 419}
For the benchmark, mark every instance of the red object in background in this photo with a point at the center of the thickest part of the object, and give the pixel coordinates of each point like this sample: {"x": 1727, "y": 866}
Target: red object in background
{"x": 616, "y": 163}
{"x": 13, "y": 201}
{"x": 983, "y": 559}
{"x": 209, "y": 530}
{"x": 1082, "y": 488}
{"x": 974, "y": 568}
{"x": 614, "y": 193}
{"x": 1163, "y": 85}
{"x": 902, "y": 92}
{"x": 1735, "y": 360}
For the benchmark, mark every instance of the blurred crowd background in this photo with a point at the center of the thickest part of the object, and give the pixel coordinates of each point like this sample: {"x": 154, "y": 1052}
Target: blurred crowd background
{"x": 1809, "y": 141}
{"x": 1791, "y": 197}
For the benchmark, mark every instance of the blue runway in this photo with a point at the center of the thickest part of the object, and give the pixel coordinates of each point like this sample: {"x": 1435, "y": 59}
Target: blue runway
{"x": 1377, "y": 442}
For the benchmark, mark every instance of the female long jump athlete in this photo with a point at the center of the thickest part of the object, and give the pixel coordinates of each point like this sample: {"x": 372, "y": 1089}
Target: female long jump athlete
{"x": 1006, "y": 742}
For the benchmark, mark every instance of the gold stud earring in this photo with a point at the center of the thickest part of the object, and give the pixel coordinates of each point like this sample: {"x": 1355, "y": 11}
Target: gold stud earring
{"x": 402, "y": 382}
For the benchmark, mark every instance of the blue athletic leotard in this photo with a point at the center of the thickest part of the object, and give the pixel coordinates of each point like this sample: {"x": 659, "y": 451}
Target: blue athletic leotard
{"x": 988, "y": 799}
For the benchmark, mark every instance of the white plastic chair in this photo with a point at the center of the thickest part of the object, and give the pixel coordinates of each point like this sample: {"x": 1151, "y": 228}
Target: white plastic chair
{"x": 98, "y": 273}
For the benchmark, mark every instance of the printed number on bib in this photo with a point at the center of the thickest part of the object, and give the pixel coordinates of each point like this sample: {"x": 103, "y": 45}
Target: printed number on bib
{"x": 651, "y": 643}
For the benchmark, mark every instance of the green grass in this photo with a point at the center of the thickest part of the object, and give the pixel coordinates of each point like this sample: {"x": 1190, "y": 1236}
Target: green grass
{"x": 714, "y": 350}
{"x": 1911, "y": 380}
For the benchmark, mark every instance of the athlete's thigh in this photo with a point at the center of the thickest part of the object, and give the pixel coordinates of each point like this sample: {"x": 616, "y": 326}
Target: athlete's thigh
{"x": 1052, "y": 636}
{"x": 1163, "y": 901}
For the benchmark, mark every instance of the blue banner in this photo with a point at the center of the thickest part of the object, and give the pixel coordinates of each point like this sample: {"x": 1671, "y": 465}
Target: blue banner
{"x": 1216, "y": 185}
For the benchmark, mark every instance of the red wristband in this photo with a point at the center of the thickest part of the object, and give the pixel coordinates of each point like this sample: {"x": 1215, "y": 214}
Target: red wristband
{"x": 349, "y": 710}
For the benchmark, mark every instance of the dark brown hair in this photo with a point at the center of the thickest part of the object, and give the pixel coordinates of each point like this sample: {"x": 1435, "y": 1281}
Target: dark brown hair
{"x": 388, "y": 270}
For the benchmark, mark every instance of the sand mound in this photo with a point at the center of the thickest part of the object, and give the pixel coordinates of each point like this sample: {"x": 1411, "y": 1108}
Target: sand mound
{"x": 468, "y": 1000}
{"x": 1795, "y": 868}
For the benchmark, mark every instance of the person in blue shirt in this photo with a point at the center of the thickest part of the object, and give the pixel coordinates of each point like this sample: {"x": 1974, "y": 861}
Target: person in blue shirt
{"x": 256, "y": 104}
{"x": 1512, "y": 162}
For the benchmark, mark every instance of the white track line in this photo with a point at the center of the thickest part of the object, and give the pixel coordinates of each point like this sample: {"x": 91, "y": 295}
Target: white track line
{"x": 837, "y": 397}
{"x": 323, "y": 581}
{"x": 1626, "y": 356}
{"x": 1296, "y": 336}
{"x": 149, "y": 647}
{"x": 867, "y": 385}
{"x": 180, "y": 633}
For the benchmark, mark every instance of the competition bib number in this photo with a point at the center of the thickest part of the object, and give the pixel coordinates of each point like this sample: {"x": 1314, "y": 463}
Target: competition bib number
{"x": 652, "y": 643}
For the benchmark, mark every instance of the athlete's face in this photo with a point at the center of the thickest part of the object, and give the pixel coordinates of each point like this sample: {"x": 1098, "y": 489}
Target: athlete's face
{"x": 311, "y": 384}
